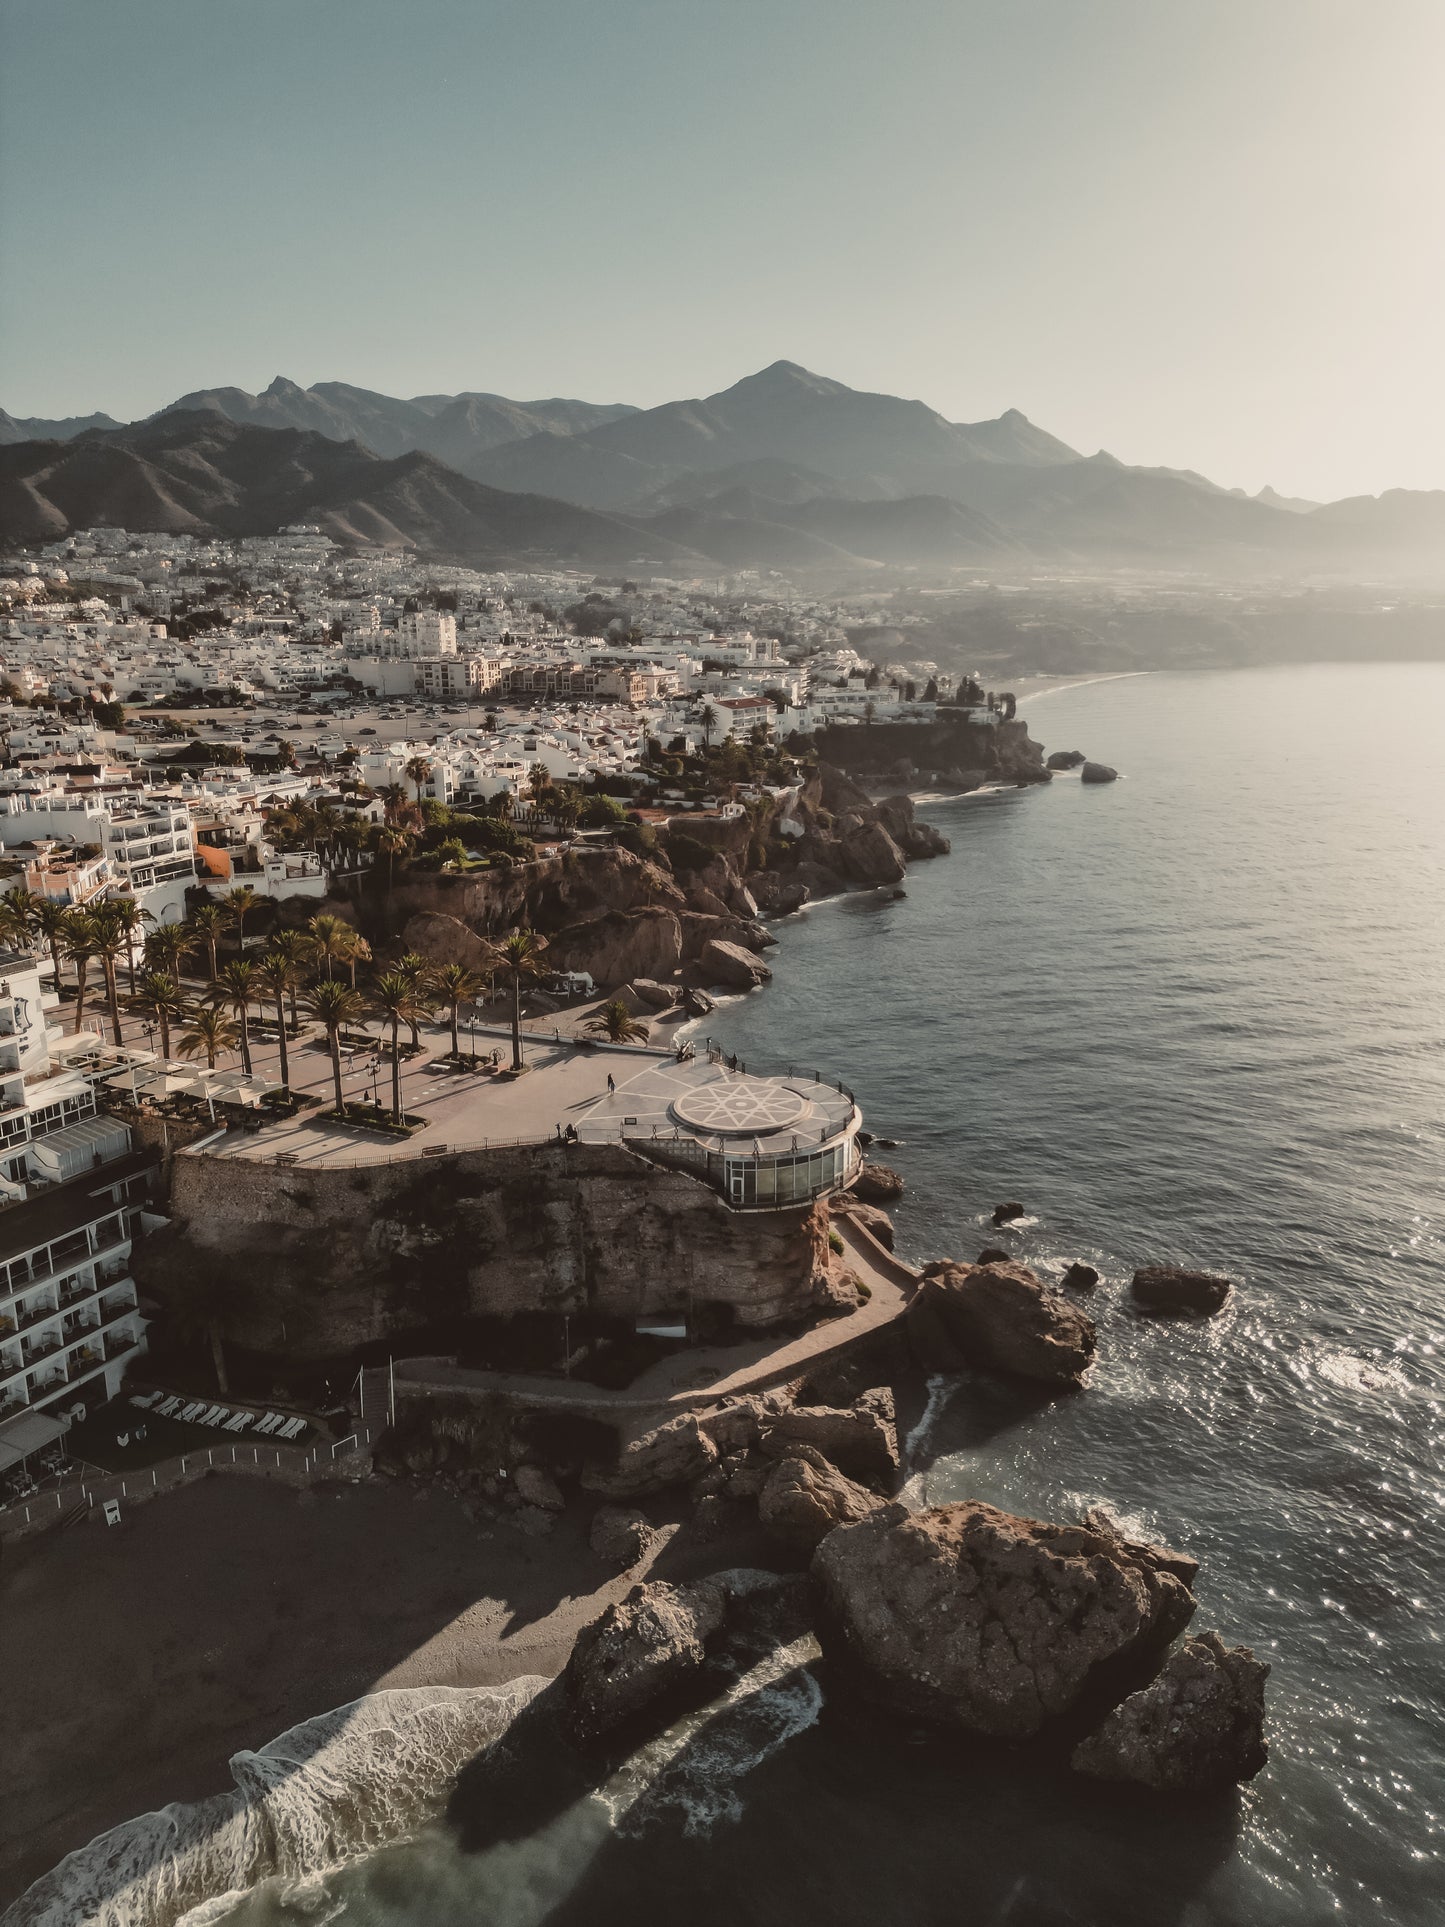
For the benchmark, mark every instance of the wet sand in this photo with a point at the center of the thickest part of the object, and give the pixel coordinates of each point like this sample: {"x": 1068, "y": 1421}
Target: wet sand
{"x": 139, "y": 1658}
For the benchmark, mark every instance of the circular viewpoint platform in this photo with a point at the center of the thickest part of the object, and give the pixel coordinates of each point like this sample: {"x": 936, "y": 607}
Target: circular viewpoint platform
{"x": 740, "y": 1106}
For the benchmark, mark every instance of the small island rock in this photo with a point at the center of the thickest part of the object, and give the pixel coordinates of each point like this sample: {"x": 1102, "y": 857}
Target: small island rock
{"x": 1171, "y": 1288}
{"x": 1197, "y": 1728}
{"x": 1065, "y": 759}
{"x": 1098, "y": 773}
{"x": 1007, "y": 1213}
{"x": 1080, "y": 1277}
{"x": 1000, "y": 1316}
{"x": 877, "y": 1184}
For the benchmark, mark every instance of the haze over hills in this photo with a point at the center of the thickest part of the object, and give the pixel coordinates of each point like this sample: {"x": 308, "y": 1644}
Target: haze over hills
{"x": 785, "y": 470}
{"x": 35, "y": 428}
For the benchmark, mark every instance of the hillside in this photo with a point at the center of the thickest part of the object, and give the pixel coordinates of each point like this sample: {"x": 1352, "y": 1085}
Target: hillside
{"x": 197, "y": 472}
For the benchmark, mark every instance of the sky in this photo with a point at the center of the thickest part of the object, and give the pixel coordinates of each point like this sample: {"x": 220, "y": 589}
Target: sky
{"x": 1203, "y": 233}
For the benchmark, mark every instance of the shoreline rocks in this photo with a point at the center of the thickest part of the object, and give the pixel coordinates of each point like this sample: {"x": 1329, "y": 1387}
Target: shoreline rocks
{"x": 877, "y": 1184}
{"x": 1174, "y": 1290}
{"x": 1098, "y": 773}
{"x": 637, "y": 1649}
{"x": 1198, "y": 1727}
{"x": 805, "y": 1497}
{"x": 979, "y": 1619}
{"x": 1007, "y": 1213}
{"x": 998, "y": 1316}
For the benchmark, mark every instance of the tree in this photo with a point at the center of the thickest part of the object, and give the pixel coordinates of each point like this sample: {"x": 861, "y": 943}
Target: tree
{"x": 391, "y": 843}
{"x": 158, "y": 996}
{"x": 539, "y": 781}
{"x": 235, "y": 987}
{"x": 238, "y": 905}
{"x": 52, "y": 920}
{"x": 296, "y": 947}
{"x": 394, "y": 1000}
{"x": 418, "y": 973}
{"x": 456, "y": 985}
{"x": 80, "y": 949}
{"x": 519, "y": 961}
{"x": 108, "y": 942}
{"x": 709, "y": 720}
{"x": 129, "y": 918}
{"x": 930, "y": 693}
{"x": 334, "y": 1005}
{"x": 276, "y": 976}
{"x": 330, "y": 939}
{"x": 211, "y": 1031}
{"x": 168, "y": 946}
{"x": 19, "y": 910}
{"x": 418, "y": 768}
{"x": 207, "y": 921}
{"x": 617, "y": 1024}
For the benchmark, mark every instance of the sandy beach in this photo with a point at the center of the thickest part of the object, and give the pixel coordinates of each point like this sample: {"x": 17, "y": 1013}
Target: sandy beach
{"x": 143, "y": 1656}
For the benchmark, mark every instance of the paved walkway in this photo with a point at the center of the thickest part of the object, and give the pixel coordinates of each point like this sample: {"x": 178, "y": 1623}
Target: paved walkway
{"x": 706, "y": 1374}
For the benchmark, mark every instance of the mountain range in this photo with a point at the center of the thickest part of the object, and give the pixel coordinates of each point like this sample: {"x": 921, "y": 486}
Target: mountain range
{"x": 785, "y": 470}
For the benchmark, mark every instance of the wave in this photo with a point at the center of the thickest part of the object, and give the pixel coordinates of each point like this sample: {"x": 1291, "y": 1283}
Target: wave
{"x": 335, "y": 1787}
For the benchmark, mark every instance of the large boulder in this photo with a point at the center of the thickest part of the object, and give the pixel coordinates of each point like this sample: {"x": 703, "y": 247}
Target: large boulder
{"x": 620, "y": 946}
{"x": 1144, "y": 1552}
{"x": 731, "y": 965}
{"x": 637, "y": 1649}
{"x": 877, "y": 1184}
{"x": 1197, "y": 1728}
{"x": 1065, "y": 759}
{"x": 805, "y": 1497}
{"x": 868, "y": 853}
{"x": 915, "y": 839}
{"x": 1098, "y": 773}
{"x": 1001, "y": 1317}
{"x": 621, "y": 1534}
{"x": 653, "y": 995}
{"x": 777, "y": 894}
{"x": 875, "y": 1222}
{"x": 1079, "y": 1276}
{"x": 861, "y": 1438}
{"x": 1008, "y": 1213}
{"x": 535, "y": 1486}
{"x": 982, "y": 1620}
{"x": 697, "y": 1003}
{"x": 672, "y": 1454}
{"x": 1171, "y": 1289}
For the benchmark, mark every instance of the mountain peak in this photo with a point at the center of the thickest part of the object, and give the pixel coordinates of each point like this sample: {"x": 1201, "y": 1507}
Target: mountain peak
{"x": 786, "y": 378}
{"x": 284, "y": 389}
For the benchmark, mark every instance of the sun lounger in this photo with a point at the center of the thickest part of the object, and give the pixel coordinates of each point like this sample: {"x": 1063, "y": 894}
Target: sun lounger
{"x": 291, "y": 1428}
{"x": 193, "y": 1412}
{"x": 170, "y": 1408}
{"x": 146, "y": 1402}
{"x": 240, "y": 1421}
{"x": 268, "y": 1424}
{"x": 216, "y": 1416}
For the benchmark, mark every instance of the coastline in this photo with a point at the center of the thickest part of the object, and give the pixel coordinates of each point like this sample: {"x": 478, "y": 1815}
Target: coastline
{"x": 1035, "y": 688}
{"x": 239, "y": 1609}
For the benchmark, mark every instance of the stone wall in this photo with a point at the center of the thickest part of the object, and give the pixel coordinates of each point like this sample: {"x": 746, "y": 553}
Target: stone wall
{"x": 318, "y": 1261}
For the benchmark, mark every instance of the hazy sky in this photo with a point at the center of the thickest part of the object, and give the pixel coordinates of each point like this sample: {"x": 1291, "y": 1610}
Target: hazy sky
{"x": 1201, "y": 232}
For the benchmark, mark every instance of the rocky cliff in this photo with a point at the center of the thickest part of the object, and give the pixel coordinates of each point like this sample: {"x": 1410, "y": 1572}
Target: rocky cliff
{"x": 950, "y": 752}
{"x": 318, "y": 1261}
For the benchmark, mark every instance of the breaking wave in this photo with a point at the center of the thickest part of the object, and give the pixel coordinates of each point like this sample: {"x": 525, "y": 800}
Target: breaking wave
{"x": 329, "y": 1790}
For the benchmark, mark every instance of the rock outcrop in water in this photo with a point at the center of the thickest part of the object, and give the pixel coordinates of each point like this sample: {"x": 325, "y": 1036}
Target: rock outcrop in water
{"x": 637, "y": 1649}
{"x": 1098, "y": 773}
{"x": 877, "y": 1184}
{"x": 976, "y": 1618}
{"x": 999, "y": 1317}
{"x": 1197, "y": 1728}
{"x": 1171, "y": 1289}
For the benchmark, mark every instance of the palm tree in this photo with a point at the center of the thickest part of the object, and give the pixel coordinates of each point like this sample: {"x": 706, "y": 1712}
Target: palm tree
{"x": 519, "y": 960}
{"x": 296, "y": 947}
{"x": 456, "y": 985}
{"x": 617, "y": 1024}
{"x": 19, "y": 912}
{"x": 108, "y": 942}
{"x": 238, "y": 905}
{"x": 539, "y": 782}
{"x": 394, "y": 797}
{"x": 235, "y": 986}
{"x": 335, "y": 1006}
{"x": 358, "y": 951}
{"x": 211, "y": 1031}
{"x": 418, "y": 769}
{"x": 708, "y": 719}
{"x": 502, "y": 804}
{"x": 80, "y": 949}
{"x": 394, "y": 1000}
{"x": 52, "y": 920}
{"x": 207, "y": 922}
{"x": 418, "y": 973}
{"x": 129, "y": 917}
{"x": 330, "y": 939}
{"x": 276, "y": 975}
{"x": 390, "y": 843}
{"x": 168, "y": 946}
{"x": 159, "y": 997}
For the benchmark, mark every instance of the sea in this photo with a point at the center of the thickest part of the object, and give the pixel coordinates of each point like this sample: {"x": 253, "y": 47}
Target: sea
{"x": 1193, "y": 1016}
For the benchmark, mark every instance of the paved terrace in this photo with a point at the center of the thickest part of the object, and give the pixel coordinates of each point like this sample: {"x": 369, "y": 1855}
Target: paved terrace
{"x": 565, "y": 1084}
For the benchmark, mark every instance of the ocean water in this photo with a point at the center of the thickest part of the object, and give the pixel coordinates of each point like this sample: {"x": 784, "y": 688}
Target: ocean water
{"x": 1193, "y": 1016}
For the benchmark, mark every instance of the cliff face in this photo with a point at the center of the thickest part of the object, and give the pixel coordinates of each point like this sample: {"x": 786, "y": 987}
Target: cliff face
{"x": 956, "y": 752}
{"x": 337, "y": 1257}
